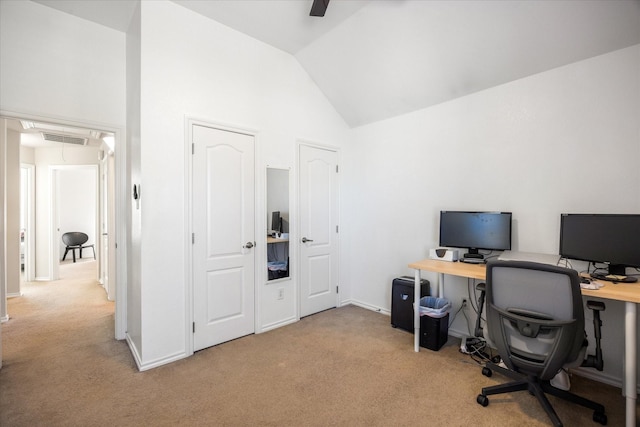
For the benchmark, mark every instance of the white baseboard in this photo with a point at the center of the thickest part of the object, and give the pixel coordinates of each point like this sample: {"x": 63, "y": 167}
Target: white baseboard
{"x": 162, "y": 361}
{"x": 277, "y": 324}
{"x": 154, "y": 363}
{"x": 42, "y": 279}
{"x": 370, "y": 307}
{"x": 134, "y": 350}
{"x": 4, "y": 319}
{"x": 15, "y": 295}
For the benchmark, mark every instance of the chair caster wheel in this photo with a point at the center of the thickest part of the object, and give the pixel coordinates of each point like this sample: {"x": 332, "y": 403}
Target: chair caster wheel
{"x": 487, "y": 372}
{"x": 600, "y": 418}
{"x": 483, "y": 400}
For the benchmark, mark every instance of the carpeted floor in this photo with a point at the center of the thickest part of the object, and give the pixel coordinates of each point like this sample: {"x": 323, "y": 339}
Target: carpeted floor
{"x": 343, "y": 367}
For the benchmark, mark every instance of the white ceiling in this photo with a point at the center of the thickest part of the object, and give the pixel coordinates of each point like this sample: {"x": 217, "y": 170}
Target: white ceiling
{"x": 31, "y": 134}
{"x": 382, "y": 58}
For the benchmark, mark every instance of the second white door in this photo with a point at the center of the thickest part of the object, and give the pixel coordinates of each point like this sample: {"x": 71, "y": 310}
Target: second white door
{"x": 318, "y": 229}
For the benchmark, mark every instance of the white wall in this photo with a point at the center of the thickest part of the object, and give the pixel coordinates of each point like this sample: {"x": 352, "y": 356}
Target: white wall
{"x": 134, "y": 279}
{"x": 194, "y": 67}
{"x": 55, "y": 65}
{"x": 561, "y": 141}
{"x": 3, "y": 263}
{"x": 77, "y": 203}
{"x": 3, "y": 268}
{"x": 27, "y": 155}
{"x": 13, "y": 215}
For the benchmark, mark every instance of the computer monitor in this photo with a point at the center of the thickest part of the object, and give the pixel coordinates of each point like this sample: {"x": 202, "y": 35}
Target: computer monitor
{"x": 276, "y": 224}
{"x": 611, "y": 239}
{"x": 475, "y": 231}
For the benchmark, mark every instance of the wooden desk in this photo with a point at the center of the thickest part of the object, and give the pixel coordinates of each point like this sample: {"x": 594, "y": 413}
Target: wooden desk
{"x": 274, "y": 240}
{"x": 629, "y": 293}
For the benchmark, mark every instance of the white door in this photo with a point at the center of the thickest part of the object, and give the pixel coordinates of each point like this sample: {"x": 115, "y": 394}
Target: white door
{"x": 318, "y": 229}
{"x": 223, "y": 235}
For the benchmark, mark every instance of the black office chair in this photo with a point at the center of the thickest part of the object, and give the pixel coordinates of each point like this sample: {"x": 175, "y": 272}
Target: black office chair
{"x": 535, "y": 318}
{"x": 76, "y": 240}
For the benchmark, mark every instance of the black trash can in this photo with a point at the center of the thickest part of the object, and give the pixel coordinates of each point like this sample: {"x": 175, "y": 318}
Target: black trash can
{"x": 402, "y": 292}
{"x": 434, "y": 322}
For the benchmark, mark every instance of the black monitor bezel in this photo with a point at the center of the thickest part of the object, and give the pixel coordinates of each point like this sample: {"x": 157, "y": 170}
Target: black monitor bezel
{"x": 274, "y": 215}
{"x": 616, "y": 266}
{"x": 473, "y": 250}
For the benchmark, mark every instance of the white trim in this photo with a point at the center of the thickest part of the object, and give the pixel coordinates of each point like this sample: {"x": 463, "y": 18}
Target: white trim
{"x": 278, "y": 324}
{"x": 30, "y": 226}
{"x": 153, "y": 363}
{"x": 134, "y": 350}
{"x": 120, "y": 178}
{"x": 367, "y": 306}
{"x": 3, "y": 244}
{"x": 162, "y": 361}
{"x": 188, "y": 243}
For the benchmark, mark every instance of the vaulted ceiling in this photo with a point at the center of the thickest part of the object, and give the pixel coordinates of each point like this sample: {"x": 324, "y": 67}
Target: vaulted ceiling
{"x": 379, "y": 59}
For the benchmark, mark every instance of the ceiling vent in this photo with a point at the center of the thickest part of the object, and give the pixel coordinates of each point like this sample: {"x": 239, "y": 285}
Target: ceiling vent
{"x": 53, "y": 137}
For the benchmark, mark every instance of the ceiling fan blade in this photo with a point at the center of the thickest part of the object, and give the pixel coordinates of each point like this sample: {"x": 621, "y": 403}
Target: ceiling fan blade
{"x": 319, "y": 7}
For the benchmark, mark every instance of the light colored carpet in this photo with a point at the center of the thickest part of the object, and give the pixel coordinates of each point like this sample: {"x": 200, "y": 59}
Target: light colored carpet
{"x": 343, "y": 367}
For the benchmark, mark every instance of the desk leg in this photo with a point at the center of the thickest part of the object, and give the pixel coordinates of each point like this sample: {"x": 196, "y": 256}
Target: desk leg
{"x": 440, "y": 285}
{"x": 416, "y": 312}
{"x": 630, "y": 352}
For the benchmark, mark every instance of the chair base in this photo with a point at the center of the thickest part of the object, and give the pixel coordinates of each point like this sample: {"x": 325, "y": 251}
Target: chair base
{"x": 538, "y": 388}
{"x": 73, "y": 251}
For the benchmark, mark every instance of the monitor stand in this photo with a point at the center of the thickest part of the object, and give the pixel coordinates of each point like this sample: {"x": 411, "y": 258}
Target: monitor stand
{"x": 473, "y": 257}
{"x": 473, "y": 260}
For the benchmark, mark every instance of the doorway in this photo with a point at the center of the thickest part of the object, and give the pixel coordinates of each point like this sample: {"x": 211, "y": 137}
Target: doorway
{"x": 74, "y": 208}
{"x": 33, "y": 128}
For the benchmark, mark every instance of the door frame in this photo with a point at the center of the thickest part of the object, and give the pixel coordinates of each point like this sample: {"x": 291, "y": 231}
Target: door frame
{"x": 189, "y": 123}
{"x": 299, "y": 144}
{"x": 30, "y": 225}
{"x": 120, "y": 178}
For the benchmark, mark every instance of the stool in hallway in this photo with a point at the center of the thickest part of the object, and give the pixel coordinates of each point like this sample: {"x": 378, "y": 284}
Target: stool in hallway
{"x": 76, "y": 240}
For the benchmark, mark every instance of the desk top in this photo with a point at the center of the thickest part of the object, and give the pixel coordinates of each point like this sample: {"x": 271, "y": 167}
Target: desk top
{"x": 462, "y": 269}
{"x": 274, "y": 240}
{"x": 628, "y": 292}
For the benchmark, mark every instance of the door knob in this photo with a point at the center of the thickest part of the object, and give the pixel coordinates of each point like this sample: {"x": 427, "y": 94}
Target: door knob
{"x": 248, "y": 245}
{"x": 305, "y": 240}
